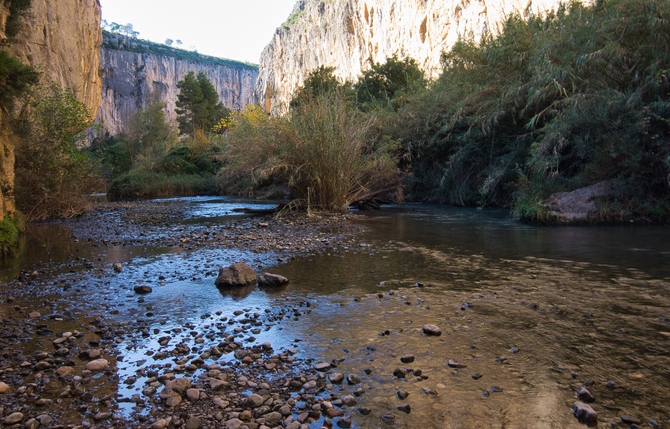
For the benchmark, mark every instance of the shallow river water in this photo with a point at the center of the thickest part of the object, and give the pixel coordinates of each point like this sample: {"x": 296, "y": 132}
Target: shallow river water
{"x": 530, "y": 314}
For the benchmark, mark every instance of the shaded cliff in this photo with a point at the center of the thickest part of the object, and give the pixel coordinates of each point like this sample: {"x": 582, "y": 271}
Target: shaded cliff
{"x": 62, "y": 39}
{"x": 136, "y": 73}
{"x": 345, "y": 33}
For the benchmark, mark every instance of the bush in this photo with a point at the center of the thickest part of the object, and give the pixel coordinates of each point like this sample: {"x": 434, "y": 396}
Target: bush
{"x": 53, "y": 175}
{"x": 142, "y": 184}
{"x": 325, "y": 149}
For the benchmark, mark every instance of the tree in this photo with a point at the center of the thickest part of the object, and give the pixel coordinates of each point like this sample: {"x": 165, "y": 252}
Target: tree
{"x": 53, "y": 174}
{"x": 198, "y": 105}
{"x": 385, "y": 84}
{"x": 320, "y": 81}
{"x": 169, "y": 41}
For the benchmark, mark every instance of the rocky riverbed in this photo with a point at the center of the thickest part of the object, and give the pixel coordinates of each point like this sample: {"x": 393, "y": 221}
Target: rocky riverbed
{"x": 416, "y": 337}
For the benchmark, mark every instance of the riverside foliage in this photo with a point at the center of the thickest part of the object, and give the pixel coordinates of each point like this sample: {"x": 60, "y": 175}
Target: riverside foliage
{"x": 553, "y": 103}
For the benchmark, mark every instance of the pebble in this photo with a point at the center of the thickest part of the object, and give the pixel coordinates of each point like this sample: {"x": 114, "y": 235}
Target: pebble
{"x": 97, "y": 365}
{"x": 336, "y": 378}
{"x": 432, "y": 330}
{"x": 454, "y": 364}
{"x": 142, "y": 289}
{"x": 404, "y": 408}
{"x": 13, "y": 418}
{"x": 629, "y": 420}
{"x": 322, "y": 366}
{"x": 353, "y": 379}
{"x": 402, "y": 395}
{"x": 407, "y": 359}
{"x": 4, "y": 388}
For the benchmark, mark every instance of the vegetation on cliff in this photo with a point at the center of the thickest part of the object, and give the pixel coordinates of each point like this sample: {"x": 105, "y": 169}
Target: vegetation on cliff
{"x": 124, "y": 42}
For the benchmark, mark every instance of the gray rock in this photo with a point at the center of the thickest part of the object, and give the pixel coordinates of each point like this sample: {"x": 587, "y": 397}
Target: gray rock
{"x": 353, "y": 379}
{"x": 179, "y": 385}
{"x": 193, "y": 395}
{"x": 254, "y": 400}
{"x": 272, "y": 418}
{"x": 237, "y": 275}
{"x": 233, "y": 424}
{"x": 336, "y": 378}
{"x": 629, "y": 420}
{"x": 578, "y": 205}
{"x": 271, "y": 280}
{"x": 322, "y": 366}
{"x": 584, "y": 413}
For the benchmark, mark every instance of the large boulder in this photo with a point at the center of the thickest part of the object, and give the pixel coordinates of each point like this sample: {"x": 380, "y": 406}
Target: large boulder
{"x": 578, "y": 205}
{"x": 237, "y": 275}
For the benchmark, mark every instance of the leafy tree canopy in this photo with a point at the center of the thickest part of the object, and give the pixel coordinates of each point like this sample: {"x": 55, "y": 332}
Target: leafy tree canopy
{"x": 385, "y": 84}
{"x": 198, "y": 105}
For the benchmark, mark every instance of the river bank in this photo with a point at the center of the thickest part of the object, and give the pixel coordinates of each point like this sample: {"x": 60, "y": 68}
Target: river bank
{"x": 344, "y": 344}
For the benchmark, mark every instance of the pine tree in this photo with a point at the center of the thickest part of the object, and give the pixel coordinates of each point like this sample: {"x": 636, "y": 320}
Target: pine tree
{"x": 198, "y": 105}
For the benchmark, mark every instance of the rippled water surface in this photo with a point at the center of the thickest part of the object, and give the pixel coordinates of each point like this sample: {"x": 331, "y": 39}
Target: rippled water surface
{"x": 536, "y": 312}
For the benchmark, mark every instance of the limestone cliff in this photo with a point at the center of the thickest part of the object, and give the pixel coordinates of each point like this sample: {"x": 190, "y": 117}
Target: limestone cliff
{"x": 345, "y": 33}
{"x": 135, "y": 73}
{"x": 62, "y": 38}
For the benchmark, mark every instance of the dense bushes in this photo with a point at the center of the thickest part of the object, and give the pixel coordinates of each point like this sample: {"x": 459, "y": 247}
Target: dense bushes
{"x": 182, "y": 171}
{"x": 552, "y": 104}
{"x": 325, "y": 151}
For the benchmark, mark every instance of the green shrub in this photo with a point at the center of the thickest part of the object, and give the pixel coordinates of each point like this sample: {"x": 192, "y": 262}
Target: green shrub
{"x": 142, "y": 184}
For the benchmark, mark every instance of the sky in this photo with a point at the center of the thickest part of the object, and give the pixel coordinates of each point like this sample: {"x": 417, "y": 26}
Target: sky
{"x": 233, "y": 29}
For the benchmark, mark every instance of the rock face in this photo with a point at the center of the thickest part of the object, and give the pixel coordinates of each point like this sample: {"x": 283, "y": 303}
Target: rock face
{"x": 134, "y": 77}
{"x": 345, "y": 33}
{"x": 63, "y": 39}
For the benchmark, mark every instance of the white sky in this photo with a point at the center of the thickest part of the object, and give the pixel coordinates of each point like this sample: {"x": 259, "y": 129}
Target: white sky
{"x": 233, "y": 29}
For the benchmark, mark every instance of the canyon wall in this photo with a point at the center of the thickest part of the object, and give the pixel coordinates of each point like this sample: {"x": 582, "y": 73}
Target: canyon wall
{"x": 346, "y": 33}
{"x": 136, "y": 73}
{"x": 61, "y": 38}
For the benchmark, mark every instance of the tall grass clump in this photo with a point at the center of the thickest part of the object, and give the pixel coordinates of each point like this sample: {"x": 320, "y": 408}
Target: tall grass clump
{"x": 552, "y": 103}
{"x": 325, "y": 150}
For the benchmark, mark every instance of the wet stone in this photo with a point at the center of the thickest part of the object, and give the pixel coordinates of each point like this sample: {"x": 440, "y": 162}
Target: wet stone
{"x": 254, "y": 400}
{"x": 364, "y": 410}
{"x": 402, "y": 395}
{"x": 584, "y": 413}
{"x": 344, "y": 422}
{"x": 584, "y": 395}
{"x": 404, "y": 408}
{"x": 353, "y": 379}
{"x": 336, "y": 378}
{"x": 322, "y": 366}
{"x": 142, "y": 289}
{"x": 407, "y": 359}
{"x": 454, "y": 364}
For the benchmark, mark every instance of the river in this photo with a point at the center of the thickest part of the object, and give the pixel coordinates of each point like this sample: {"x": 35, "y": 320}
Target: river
{"x": 528, "y": 314}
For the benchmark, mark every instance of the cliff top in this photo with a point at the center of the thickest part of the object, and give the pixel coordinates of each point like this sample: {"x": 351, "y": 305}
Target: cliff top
{"x": 121, "y": 42}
